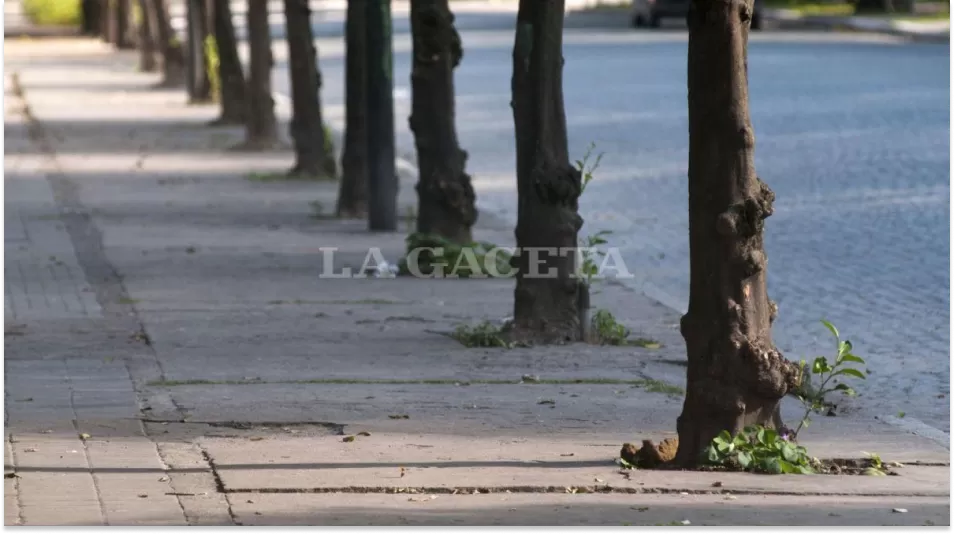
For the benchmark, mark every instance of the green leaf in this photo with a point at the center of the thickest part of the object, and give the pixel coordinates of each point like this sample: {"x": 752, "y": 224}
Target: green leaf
{"x": 849, "y": 357}
{"x": 789, "y": 453}
{"x": 744, "y": 459}
{"x": 831, "y": 328}
{"x": 805, "y": 470}
{"x": 772, "y": 465}
{"x": 820, "y": 365}
{"x": 872, "y": 472}
{"x": 850, "y": 372}
{"x": 787, "y": 467}
{"x": 713, "y": 455}
{"x": 845, "y": 389}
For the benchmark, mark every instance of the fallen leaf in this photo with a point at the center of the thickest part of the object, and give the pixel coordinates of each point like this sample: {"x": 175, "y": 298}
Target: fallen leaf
{"x": 598, "y": 480}
{"x": 400, "y": 416}
{"x": 685, "y": 522}
{"x": 163, "y": 479}
{"x": 639, "y": 508}
{"x": 899, "y": 510}
{"x": 364, "y": 434}
{"x": 348, "y": 439}
{"x": 683, "y": 493}
{"x": 717, "y": 484}
{"x": 84, "y": 436}
{"x": 31, "y": 449}
{"x": 731, "y": 498}
{"x": 11, "y": 475}
{"x": 256, "y": 438}
{"x": 569, "y": 454}
{"x": 547, "y": 401}
{"x": 143, "y": 495}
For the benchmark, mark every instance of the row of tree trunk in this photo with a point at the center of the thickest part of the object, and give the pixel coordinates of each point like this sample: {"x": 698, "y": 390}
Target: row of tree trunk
{"x": 736, "y": 377}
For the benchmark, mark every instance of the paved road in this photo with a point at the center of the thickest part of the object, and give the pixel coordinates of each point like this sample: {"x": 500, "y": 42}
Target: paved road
{"x": 852, "y": 135}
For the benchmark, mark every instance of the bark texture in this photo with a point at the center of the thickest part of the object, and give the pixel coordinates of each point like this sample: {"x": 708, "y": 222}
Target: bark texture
{"x": 119, "y": 21}
{"x": 548, "y": 308}
{"x": 261, "y": 131}
{"x": 147, "y": 40}
{"x": 197, "y": 74}
{"x": 173, "y": 60}
{"x": 231, "y": 77}
{"x": 314, "y": 155}
{"x": 736, "y": 377}
{"x": 446, "y": 201}
{"x": 353, "y": 192}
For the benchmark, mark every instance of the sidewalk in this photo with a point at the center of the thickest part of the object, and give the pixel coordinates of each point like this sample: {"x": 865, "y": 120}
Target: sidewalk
{"x": 173, "y": 358}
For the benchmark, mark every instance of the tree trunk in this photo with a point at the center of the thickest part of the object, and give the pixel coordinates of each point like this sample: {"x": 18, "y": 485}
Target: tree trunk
{"x": 106, "y": 20}
{"x": 382, "y": 176}
{"x": 446, "y": 201}
{"x": 314, "y": 155}
{"x": 198, "y": 84}
{"x": 353, "y": 193}
{"x": 173, "y": 62}
{"x": 92, "y": 17}
{"x": 231, "y": 77}
{"x": 547, "y": 308}
{"x": 120, "y": 20}
{"x": 736, "y": 376}
{"x": 147, "y": 40}
{"x": 261, "y": 132}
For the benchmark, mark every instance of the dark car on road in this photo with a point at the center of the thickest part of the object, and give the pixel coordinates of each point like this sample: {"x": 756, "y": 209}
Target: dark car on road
{"x": 651, "y": 12}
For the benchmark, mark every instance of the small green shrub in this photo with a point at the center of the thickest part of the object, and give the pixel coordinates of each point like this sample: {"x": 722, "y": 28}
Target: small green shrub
{"x": 761, "y": 450}
{"x": 53, "y": 12}
{"x": 483, "y": 335}
{"x": 439, "y": 256}
{"x": 607, "y": 330}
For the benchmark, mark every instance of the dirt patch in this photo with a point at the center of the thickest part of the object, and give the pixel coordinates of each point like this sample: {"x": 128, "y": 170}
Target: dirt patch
{"x": 661, "y": 456}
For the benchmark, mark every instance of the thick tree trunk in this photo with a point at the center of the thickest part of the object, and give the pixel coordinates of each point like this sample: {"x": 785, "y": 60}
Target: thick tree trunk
{"x": 173, "y": 61}
{"x": 105, "y": 20}
{"x": 353, "y": 192}
{"x": 446, "y": 202}
{"x": 314, "y": 155}
{"x": 261, "y": 132}
{"x": 548, "y": 308}
{"x": 736, "y": 376}
{"x": 231, "y": 77}
{"x": 92, "y": 17}
{"x": 198, "y": 84}
{"x": 147, "y": 40}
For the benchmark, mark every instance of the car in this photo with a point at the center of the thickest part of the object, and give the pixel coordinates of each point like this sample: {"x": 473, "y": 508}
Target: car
{"x": 651, "y": 12}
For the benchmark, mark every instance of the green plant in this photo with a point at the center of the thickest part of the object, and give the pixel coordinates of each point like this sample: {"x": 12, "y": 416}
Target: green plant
{"x": 435, "y": 253}
{"x": 484, "y": 334}
{"x": 761, "y": 450}
{"x": 53, "y": 12}
{"x": 211, "y": 49}
{"x": 590, "y": 252}
{"x": 814, "y": 399}
{"x": 607, "y": 329}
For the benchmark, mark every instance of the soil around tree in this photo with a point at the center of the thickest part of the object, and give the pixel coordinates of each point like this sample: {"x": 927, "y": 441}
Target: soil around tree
{"x": 662, "y": 457}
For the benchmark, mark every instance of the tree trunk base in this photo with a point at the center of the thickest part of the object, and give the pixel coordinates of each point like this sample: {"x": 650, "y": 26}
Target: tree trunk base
{"x": 226, "y": 121}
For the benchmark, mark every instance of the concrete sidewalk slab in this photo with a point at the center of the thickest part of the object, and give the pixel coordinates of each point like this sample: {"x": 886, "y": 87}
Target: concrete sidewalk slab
{"x": 583, "y": 510}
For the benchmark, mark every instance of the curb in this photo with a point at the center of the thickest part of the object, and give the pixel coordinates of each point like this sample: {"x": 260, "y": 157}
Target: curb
{"x": 935, "y": 32}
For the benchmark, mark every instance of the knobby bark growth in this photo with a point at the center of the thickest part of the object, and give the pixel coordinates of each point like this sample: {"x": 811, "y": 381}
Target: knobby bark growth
{"x": 261, "y": 131}
{"x": 231, "y": 77}
{"x": 314, "y": 154}
{"x": 736, "y": 377}
{"x": 549, "y": 300}
{"x": 147, "y": 40}
{"x": 173, "y": 60}
{"x": 353, "y": 192}
{"x": 446, "y": 201}
{"x": 198, "y": 84}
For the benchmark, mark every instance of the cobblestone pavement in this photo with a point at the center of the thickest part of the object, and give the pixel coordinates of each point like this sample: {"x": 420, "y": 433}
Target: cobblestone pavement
{"x": 852, "y": 135}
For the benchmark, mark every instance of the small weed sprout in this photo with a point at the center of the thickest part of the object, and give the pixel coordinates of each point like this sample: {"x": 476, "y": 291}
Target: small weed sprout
{"x": 484, "y": 334}
{"x": 589, "y": 245}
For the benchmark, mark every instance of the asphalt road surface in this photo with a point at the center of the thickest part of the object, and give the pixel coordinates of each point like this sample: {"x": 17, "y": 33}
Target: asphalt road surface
{"x": 852, "y": 134}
